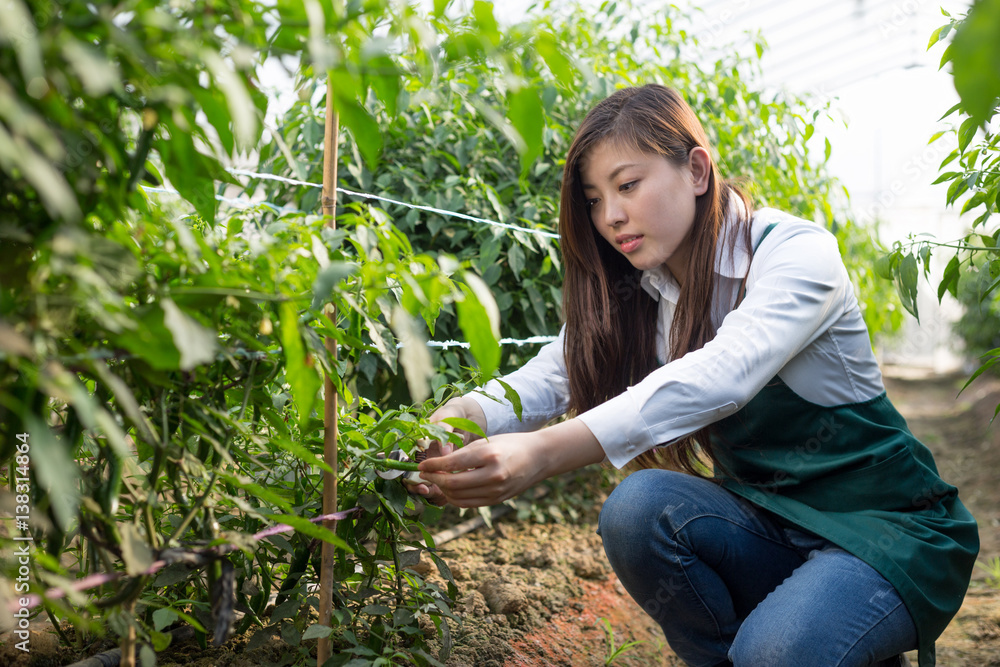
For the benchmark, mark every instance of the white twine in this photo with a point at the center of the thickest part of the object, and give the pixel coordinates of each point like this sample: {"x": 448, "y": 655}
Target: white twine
{"x": 242, "y": 203}
{"x": 531, "y": 340}
{"x": 419, "y": 207}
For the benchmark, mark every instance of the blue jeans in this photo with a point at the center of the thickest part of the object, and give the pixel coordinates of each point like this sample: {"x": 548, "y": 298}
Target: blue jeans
{"x": 730, "y": 585}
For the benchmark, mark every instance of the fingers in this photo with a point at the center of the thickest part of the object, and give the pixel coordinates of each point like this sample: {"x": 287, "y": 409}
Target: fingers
{"x": 456, "y": 485}
{"x": 473, "y": 488}
{"x": 483, "y": 473}
{"x": 471, "y": 456}
{"x": 438, "y": 448}
{"x": 463, "y": 489}
{"x": 436, "y": 451}
{"x": 430, "y": 492}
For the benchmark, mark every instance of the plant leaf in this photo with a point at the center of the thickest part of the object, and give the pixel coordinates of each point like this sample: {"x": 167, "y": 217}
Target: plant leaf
{"x": 163, "y": 617}
{"x": 524, "y": 108}
{"x": 883, "y": 266}
{"x": 327, "y": 279}
{"x": 364, "y": 129}
{"x": 966, "y": 132}
{"x": 301, "y": 453}
{"x": 311, "y": 529}
{"x": 299, "y": 372}
{"x": 478, "y": 317}
{"x": 57, "y": 474}
{"x": 315, "y": 631}
{"x": 511, "y": 395}
{"x": 413, "y": 355}
{"x": 949, "y": 280}
{"x": 195, "y": 343}
{"x": 465, "y": 425}
{"x": 135, "y": 549}
{"x": 975, "y": 56}
{"x": 551, "y": 51}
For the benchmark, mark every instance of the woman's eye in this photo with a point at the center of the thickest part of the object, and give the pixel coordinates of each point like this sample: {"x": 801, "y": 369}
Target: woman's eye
{"x": 625, "y": 187}
{"x": 590, "y": 203}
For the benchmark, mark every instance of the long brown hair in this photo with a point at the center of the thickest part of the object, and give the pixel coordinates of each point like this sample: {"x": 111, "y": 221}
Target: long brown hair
{"x": 610, "y": 340}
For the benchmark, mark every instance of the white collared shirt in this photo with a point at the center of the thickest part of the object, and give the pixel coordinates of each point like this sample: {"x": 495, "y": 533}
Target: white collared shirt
{"x": 800, "y": 320}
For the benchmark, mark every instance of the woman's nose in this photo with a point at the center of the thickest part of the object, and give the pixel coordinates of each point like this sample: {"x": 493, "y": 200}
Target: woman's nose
{"x": 614, "y": 213}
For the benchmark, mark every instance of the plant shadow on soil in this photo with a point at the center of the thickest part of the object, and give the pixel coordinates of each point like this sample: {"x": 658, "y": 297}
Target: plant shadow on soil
{"x": 535, "y": 593}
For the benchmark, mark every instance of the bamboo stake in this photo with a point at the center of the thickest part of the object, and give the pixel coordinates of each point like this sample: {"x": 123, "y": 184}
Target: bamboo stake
{"x": 323, "y": 649}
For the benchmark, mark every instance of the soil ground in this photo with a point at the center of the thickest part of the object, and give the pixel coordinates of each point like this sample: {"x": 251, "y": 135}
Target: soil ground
{"x": 540, "y": 593}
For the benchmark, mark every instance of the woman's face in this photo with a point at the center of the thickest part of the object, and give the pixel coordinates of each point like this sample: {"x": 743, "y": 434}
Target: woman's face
{"x": 643, "y": 205}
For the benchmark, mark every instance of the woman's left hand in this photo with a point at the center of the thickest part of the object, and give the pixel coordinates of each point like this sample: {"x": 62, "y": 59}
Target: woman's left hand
{"x": 486, "y": 472}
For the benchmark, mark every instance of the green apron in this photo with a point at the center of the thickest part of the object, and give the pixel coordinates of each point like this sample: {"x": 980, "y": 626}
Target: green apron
{"x": 855, "y": 475}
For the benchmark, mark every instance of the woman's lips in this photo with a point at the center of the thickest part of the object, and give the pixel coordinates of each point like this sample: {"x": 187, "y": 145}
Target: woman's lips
{"x": 628, "y": 242}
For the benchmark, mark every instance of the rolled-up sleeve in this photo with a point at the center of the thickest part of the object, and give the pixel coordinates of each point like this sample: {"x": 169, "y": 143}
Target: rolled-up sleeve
{"x": 796, "y": 289}
{"x": 542, "y": 387}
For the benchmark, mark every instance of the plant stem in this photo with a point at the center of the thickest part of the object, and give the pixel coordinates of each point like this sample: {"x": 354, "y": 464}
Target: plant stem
{"x": 59, "y": 630}
{"x": 128, "y": 641}
{"x": 957, "y": 245}
{"x": 194, "y": 510}
{"x": 246, "y": 392}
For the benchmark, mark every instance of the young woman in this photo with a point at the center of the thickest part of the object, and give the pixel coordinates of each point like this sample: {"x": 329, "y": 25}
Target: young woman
{"x": 819, "y": 532}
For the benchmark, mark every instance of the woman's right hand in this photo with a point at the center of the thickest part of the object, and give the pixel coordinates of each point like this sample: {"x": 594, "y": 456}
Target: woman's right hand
{"x": 463, "y": 407}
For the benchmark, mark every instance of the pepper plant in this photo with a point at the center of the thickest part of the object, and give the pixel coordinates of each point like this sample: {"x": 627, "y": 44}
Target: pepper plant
{"x": 448, "y": 142}
{"x": 160, "y": 353}
{"x": 972, "y": 172}
{"x": 163, "y": 351}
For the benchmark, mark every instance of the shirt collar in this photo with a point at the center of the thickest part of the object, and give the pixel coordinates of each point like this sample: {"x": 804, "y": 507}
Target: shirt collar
{"x": 730, "y": 262}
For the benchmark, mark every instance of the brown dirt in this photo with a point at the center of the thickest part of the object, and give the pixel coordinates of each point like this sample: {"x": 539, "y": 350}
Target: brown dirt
{"x": 956, "y": 427}
{"x": 536, "y": 594}
{"x": 557, "y": 578}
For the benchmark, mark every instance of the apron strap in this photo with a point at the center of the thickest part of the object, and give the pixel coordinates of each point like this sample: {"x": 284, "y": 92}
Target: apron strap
{"x": 767, "y": 230}
{"x": 743, "y": 285}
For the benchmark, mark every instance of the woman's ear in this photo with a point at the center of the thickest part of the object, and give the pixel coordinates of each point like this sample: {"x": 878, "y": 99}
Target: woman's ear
{"x": 700, "y": 164}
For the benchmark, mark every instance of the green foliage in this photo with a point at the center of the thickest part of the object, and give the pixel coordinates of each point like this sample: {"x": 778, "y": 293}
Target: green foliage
{"x": 979, "y": 325}
{"x": 615, "y": 652}
{"x": 453, "y": 143}
{"x": 164, "y": 354}
{"x": 992, "y": 569}
{"x": 972, "y": 170}
{"x": 975, "y": 58}
{"x": 160, "y": 359}
{"x": 139, "y": 66}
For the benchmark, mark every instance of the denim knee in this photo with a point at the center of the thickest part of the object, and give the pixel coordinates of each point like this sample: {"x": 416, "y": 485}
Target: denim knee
{"x": 651, "y": 497}
{"x": 751, "y": 648}
{"x": 619, "y": 509}
{"x": 642, "y": 514}
{"x": 627, "y": 520}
